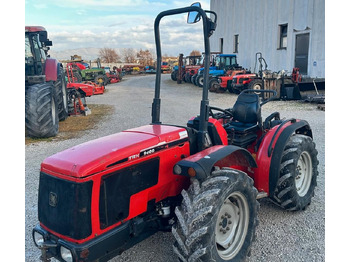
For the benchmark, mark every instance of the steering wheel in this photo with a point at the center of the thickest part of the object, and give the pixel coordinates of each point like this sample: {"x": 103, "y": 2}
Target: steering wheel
{"x": 225, "y": 114}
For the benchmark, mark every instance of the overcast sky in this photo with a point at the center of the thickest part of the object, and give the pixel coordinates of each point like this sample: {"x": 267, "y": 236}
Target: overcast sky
{"x": 75, "y": 24}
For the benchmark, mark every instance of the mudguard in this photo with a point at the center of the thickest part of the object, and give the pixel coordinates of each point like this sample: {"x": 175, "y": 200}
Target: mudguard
{"x": 222, "y": 156}
{"x": 51, "y": 69}
{"x": 298, "y": 127}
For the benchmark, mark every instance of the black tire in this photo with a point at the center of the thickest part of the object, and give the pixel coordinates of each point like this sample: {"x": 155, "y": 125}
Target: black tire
{"x": 230, "y": 88}
{"x": 174, "y": 75}
{"x": 209, "y": 210}
{"x": 77, "y": 77}
{"x": 213, "y": 84}
{"x": 298, "y": 174}
{"x": 256, "y": 84}
{"x": 61, "y": 95}
{"x": 106, "y": 80}
{"x": 100, "y": 79}
{"x": 200, "y": 80}
{"x": 187, "y": 77}
{"x": 193, "y": 79}
{"x": 41, "y": 114}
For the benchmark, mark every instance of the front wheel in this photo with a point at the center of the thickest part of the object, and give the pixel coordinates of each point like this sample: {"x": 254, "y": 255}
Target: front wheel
{"x": 298, "y": 174}
{"x": 200, "y": 80}
{"x": 217, "y": 219}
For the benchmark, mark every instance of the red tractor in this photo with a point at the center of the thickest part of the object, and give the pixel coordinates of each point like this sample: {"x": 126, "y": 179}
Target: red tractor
{"x": 193, "y": 63}
{"x": 45, "y": 86}
{"x": 200, "y": 181}
{"x": 224, "y": 82}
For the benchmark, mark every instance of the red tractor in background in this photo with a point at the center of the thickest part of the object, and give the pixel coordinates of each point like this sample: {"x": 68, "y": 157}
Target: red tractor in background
{"x": 200, "y": 181}
{"x": 224, "y": 82}
{"x": 192, "y": 64}
{"x": 45, "y": 86}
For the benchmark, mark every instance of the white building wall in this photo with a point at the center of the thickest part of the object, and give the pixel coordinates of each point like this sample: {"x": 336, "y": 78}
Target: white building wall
{"x": 257, "y": 24}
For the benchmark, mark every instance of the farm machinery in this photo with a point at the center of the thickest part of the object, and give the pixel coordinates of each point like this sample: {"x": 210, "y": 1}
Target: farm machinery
{"x": 77, "y": 92}
{"x": 224, "y": 64}
{"x": 45, "y": 86}
{"x": 96, "y": 74}
{"x": 199, "y": 181}
{"x": 190, "y": 66}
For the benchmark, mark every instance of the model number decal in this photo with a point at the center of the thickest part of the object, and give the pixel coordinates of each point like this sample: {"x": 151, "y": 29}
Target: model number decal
{"x": 148, "y": 152}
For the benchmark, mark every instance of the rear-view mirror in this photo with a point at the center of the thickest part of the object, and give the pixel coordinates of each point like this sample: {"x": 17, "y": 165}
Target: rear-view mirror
{"x": 194, "y": 16}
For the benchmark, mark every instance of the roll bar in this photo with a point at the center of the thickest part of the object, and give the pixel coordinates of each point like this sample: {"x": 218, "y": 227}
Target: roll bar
{"x": 208, "y": 28}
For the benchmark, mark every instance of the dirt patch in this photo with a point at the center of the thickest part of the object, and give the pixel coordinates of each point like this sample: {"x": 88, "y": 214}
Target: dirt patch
{"x": 74, "y": 125}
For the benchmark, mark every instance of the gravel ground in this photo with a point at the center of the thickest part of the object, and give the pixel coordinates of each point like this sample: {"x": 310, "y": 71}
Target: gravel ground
{"x": 281, "y": 235}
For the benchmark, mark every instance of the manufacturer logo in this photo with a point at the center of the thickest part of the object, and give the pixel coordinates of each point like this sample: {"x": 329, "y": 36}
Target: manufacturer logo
{"x": 53, "y": 199}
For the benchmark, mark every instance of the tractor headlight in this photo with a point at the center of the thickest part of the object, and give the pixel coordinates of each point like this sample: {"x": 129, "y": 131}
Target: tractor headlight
{"x": 66, "y": 254}
{"x": 177, "y": 170}
{"x": 38, "y": 238}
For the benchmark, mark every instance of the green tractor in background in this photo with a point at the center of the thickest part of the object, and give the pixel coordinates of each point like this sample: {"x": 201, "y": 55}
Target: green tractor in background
{"x": 83, "y": 72}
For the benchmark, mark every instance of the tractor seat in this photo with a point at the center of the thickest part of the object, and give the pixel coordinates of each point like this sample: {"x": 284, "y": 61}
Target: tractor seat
{"x": 246, "y": 112}
{"x": 242, "y": 130}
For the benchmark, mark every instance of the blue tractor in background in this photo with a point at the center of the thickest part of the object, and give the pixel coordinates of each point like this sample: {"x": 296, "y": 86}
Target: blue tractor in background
{"x": 221, "y": 65}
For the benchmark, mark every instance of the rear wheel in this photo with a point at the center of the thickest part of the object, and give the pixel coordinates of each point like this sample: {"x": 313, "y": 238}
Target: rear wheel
{"x": 298, "y": 174}
{"x": 217, "y": 219}
{"x": 41, "y": 114}
{"x": 193, "y": 79}
{"x": 174, "y": 75}
{"x": 99, "y": 79}
{"x": 77, "y": 78}
{"x": 61, "y": 95}
{"x": 187, "y": 77}
{"x": 256, "y": 84}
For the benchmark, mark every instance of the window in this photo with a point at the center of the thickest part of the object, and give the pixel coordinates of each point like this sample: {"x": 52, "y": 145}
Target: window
{"x": 235, "y": 44}
{"x": 283, "y": 36}
{"x": 221, "y": 45}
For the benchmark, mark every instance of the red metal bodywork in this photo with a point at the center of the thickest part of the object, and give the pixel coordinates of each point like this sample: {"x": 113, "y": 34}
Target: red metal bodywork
{"x": 242, "y": 80}
{"x": 224, "y": 79}
{"x": 34, "y": 29}
{"x": 192, "y": 69}
{"x": 94, "y": 159}
{"x": 51, "y": 66}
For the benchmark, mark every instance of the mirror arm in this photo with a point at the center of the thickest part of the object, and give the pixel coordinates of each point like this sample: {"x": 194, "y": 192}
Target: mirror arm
{"x": 212, "y": 12}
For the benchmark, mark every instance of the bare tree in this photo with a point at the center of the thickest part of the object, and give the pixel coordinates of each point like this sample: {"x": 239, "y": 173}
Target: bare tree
{"x": 145, "y": 57}
{"x": 195, "y": 53}
{"x": 129, "y": 55}
{"x": 109, "y": 55}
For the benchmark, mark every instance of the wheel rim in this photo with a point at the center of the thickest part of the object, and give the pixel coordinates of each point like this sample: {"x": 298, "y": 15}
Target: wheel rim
{"x": 304, "y": 174}
{"x": 232, "y": 225}
{"x": 201, "y": 81}
{"x": 257, "y": 87}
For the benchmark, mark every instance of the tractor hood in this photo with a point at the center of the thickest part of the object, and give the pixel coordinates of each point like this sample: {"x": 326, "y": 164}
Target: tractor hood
{"x": 97, "y": 155}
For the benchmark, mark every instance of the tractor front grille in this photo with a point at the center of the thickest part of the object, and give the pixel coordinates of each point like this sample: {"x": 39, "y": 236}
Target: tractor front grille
{"x": 65, "y": 206}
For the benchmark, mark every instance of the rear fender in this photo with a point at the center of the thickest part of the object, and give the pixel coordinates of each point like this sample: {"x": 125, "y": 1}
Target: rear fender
{"x": 298, "y": 127}
{"x": 51, "y": 69}
{"x": 270, "y": 152}
{"x": 200, "y": 165}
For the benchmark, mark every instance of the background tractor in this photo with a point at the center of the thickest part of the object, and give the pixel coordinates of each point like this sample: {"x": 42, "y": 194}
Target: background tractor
{"x": 190, "y": 66}
{"x": 200, "y": 181}
{"x": 224, "y": 64}
{"x": 45, "y": 86}
{"x": 83, "y": 73}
